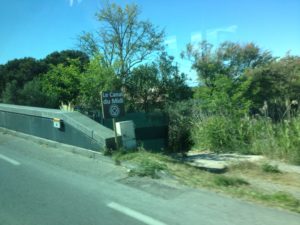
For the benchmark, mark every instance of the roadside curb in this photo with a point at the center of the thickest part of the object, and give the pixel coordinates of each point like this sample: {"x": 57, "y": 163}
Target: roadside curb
{"x": 61, "y": 146}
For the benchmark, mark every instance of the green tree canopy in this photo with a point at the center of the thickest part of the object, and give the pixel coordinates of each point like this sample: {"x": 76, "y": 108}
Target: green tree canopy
{"x": 229, "y": 59}
{"x": 221, "y": 73}
{"x": 64, "y": 57}
{"x": 15, "y": 74}
{"x": 123, "y": 39}
{"x": 63, "y": 82}
{"x": 20, "y": 70}
{"x": 275, "y": 86}
{"x": 143, "y": 88}
{"x": 153, "y": 85}
{"x": 96, "y": 78}
{"x": 174, "y": 82}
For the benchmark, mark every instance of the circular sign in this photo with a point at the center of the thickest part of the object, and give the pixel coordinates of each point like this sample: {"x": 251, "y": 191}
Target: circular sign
{"x": 114, "y": 110}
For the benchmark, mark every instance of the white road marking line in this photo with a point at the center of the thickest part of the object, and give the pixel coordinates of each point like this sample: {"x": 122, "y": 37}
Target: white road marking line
{"x": 134, "y": 214}
{"x": 12, "y": 161}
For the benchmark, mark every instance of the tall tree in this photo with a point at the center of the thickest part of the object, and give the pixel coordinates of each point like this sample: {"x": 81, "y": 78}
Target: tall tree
{"x": 229, "y": 59}
{"x": 123, "y": 39}
{"x": 64, "y": 57}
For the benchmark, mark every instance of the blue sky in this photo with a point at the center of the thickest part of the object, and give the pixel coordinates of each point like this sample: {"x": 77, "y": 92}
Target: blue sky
{"x": 38, "y": 27}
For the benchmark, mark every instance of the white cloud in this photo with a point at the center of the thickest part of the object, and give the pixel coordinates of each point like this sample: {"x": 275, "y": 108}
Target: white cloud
{"x": 196, "y": 37}
{"x": 171, "y": 42}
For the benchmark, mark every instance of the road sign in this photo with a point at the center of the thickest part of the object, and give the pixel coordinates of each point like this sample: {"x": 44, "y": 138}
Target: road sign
{"x": 112, "y": 104}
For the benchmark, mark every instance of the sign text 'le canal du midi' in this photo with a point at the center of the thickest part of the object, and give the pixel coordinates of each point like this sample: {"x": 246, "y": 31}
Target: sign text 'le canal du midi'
{"x": 112, "y": 104}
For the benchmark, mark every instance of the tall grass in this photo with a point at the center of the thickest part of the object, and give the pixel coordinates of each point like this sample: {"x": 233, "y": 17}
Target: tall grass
{"x": 223, "y": 134}
{"x": 249, "y": 135}
{"x": 280, "y": 140}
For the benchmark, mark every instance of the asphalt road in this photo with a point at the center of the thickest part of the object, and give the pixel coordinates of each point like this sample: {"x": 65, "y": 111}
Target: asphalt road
{"x": 40, "y": 185}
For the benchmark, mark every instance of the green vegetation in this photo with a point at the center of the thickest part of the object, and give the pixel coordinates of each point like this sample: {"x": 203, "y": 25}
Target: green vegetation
{"x": 44, "y": 83}
{"x": 278, "y": 199}
{"x": 225, "y": 181}
{"x": 249, "y": 136}
{"x": 123, "y": 38}
{"x": 180, "y": 123}
{"x": 247, "y": 101}
{"x": 147, "y": 168}
{"x": 145, "y": 163}
{"x": 236, "y": 182}
{"x": 270, "y": 168}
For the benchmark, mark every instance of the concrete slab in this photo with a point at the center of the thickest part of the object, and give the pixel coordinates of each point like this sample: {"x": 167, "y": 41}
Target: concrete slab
{"x": 218, "y": 163}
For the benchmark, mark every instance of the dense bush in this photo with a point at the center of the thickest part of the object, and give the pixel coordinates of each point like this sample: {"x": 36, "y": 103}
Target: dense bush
{"x": 180, "y": 116}
{"x": 222, "y": 134}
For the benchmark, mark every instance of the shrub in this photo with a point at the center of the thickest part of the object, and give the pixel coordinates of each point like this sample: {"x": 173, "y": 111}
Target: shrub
{"x": 246, "y": 135}
{"x": 179, "y": 127}
{"x": 222, "y": 134}
{"x": 214, "y": 133}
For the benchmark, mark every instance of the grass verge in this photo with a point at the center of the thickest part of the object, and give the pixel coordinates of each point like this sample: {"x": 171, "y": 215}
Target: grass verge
{"x": 232, "y": 183}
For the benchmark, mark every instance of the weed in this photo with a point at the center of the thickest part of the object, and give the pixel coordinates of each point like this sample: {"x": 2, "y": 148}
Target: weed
{"x": 147, "y": 168}
{"x": 268, "y": 168}
{"x": 229, "y": 181}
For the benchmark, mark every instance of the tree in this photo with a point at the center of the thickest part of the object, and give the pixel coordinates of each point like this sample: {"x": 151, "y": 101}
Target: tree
{"x": 96, "y": 78}
{"x": 124, "y": 40}
{"x": 238, "y": 58}
{"x": 63, "y": 82}
{"x": 276, "y": 87}
{"x": 64, "y": 57}
{"x": 173, "y": 81}
{"x": 10, "y": 93}
{"x": 154, "y": 85}
{"x": 32, "y": 94}
{"x": 15, "y": 74}
{"x": 144, "y": 88}
{"x": 223, "y": 85}
{"x": 229, "y": 59}
{"x": 227, "y": 98}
